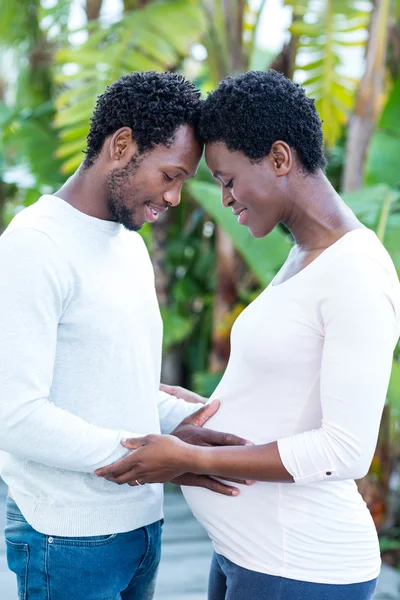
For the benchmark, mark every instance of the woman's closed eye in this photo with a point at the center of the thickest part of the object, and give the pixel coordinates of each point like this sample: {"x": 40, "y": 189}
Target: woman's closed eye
{"x": 168, "y": 178}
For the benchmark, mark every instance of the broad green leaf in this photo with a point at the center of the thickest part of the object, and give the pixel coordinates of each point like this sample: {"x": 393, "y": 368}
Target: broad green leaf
{"x": 383, "y": 159}
{"x": 384, "y": 148}
{"x": 176, "y": 327}
{"x": 328, "y": 27}
{"x": 394, "y": 390}
{"x": 67, "y": 149}
{"x": 263, "y": 256}
{"x": 367, "y": 203}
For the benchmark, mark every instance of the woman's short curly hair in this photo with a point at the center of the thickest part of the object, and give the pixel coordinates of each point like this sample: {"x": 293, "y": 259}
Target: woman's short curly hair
{"x": 154, "y": 105}
{"x": 252, "y": 111}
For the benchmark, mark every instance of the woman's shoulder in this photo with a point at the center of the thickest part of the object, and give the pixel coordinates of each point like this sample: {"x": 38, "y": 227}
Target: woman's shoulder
{"x": 360, "y": 254}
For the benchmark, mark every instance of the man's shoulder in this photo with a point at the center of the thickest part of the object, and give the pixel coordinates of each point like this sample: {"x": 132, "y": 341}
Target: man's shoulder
{"x": 33, "y": 218}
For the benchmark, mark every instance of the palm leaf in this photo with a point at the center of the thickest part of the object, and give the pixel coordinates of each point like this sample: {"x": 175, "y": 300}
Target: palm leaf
{"x": 327, "y": 28}
{"x": 156, "y": 37}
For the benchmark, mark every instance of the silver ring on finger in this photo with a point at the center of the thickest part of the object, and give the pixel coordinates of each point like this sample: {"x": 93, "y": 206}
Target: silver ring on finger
{"x": 138, "y": 482}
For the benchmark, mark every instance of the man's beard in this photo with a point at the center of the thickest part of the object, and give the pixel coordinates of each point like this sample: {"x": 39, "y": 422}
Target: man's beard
{"x": 119, "y": 186}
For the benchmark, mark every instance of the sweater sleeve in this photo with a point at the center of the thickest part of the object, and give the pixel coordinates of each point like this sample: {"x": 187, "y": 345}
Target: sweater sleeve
{"x": 359, "y": 312}
{"x": 173, "y": 410}
{"x": 35, "y": 284}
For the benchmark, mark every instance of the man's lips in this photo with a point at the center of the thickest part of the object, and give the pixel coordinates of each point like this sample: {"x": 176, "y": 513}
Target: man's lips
{"x": 152, "y": 212}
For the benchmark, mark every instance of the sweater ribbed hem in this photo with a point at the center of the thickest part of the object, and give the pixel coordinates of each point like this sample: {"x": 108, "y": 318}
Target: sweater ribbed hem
{"x": 91, "y": 520}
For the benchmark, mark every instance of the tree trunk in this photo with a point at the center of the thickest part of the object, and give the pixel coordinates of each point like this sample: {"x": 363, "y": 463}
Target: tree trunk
{"x": 133, "y": 4}
{"x": 93, "y": 9}
{"x": 369, "y": 98}
{"x": 225, "y": 298}
{"x": 227, "y": 56}
{"x": 393, "y": 61}
{"x": 285, "y": 62}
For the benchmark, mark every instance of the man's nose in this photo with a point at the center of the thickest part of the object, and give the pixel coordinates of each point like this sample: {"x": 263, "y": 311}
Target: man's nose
{"x": 173, "y": 196}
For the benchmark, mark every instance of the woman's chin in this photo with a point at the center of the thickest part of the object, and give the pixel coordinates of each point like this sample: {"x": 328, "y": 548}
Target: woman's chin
{"x": 259, "y": 232}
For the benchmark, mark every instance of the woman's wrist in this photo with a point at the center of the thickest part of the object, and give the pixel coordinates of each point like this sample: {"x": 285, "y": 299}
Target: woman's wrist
{"x": 197, "y": 459}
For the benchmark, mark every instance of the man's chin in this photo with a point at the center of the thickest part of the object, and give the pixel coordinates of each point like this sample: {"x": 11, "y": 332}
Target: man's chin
{"x": 132, "y": 226}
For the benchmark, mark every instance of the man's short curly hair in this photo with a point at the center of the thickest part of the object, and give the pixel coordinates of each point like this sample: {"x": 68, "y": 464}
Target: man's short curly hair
{"x": 154, "y": 105}
{"x": 252, "y": 111}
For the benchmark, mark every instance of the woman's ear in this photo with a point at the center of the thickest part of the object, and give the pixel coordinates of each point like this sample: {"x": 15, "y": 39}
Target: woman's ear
{"x": 281, "y": 157}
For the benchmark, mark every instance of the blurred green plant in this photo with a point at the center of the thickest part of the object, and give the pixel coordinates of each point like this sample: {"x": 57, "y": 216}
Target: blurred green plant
{"x": 325, "y": 28}
{"x": 156, "y": 37}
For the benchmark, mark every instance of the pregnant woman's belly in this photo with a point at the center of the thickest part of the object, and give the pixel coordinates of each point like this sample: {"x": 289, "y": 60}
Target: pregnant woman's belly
{"x": 320, "y": 532}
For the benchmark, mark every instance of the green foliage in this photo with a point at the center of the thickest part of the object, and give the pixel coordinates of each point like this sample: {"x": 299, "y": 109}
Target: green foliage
{"x": 157, "y": 37}
{"x": 177, "y": 328}
{"x": 204, "y": 383}
{"x": 384, "y": 148}
{"x": 393, "y": 395}
{"x": 325, "y": 29}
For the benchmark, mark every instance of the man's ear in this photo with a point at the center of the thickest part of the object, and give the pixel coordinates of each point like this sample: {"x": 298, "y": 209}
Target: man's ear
{"x": 121, "y": 144}
{"x": 281, "y": 157}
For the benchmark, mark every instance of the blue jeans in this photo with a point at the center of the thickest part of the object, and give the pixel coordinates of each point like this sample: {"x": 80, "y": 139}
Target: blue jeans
{"x": 105, "y": 567}
{"x": 231, "y": 582}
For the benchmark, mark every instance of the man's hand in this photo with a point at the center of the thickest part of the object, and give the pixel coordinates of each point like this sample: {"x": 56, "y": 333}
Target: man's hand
{"x": 180, "y": 392}
{"x": 191, "y": 431}
{"x": 156, "y": 459}
{"x": 160, "y": 458}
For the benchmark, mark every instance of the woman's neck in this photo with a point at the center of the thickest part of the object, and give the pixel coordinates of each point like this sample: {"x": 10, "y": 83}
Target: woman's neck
{"x": 318, "y": 216}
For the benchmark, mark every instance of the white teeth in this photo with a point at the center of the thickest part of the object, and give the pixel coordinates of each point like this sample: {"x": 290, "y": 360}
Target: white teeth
{"x": 155, "y": 213}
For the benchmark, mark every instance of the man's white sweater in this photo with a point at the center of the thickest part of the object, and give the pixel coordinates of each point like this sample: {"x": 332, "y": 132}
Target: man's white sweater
{"x": 80, "y": 362}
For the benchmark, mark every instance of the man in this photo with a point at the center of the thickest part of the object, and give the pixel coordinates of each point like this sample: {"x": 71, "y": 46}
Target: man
{"x": 80, "y": 355}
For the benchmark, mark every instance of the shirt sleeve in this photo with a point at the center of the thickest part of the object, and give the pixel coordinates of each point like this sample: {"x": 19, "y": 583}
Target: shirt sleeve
{"x": 173, "y": 410}
{"x": 35, "y": 285}
{"x": 359, "y": 312}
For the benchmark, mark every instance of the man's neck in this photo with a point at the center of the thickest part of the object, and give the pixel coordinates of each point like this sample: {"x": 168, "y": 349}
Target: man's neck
{"x": 85, "y": 191}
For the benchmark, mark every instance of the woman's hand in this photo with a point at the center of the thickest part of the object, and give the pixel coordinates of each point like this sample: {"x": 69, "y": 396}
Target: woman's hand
{"x": 155, "y": 459}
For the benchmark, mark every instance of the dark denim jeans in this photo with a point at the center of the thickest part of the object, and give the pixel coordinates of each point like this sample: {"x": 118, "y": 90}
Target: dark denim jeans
{"x": 108, "y": 567}
{"x": 231, "y": 582}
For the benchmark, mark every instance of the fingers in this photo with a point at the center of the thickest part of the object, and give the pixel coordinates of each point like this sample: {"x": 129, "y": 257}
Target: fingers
{"x": 201, "y": 416}
{"x": 209, "y": 483}
{"x": 129, "y": 478}
{"x": 133, "y": 443}
{"x": 118, "y": 468}
{"x": 180, "y": 392}
{"x": 241, "y": 481}
{"x": 218, "y": 438}
{"x": 172, "y": 390}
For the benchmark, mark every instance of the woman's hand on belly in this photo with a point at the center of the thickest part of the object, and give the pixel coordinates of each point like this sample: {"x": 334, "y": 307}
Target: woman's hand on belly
{"x": 191, "y": 431}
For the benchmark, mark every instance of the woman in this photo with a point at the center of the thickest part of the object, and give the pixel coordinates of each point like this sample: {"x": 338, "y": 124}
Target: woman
{"x": 309, "y": 367}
